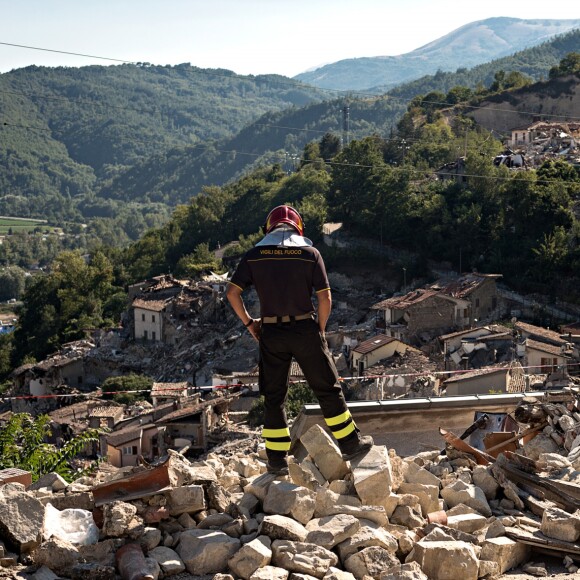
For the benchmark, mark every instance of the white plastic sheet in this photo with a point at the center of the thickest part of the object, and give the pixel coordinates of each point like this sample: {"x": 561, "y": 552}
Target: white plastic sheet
{"x": 73, "y": 525}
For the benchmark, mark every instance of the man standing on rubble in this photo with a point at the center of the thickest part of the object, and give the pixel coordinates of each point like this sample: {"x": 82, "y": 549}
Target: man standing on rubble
{"x": 285, "y": 269}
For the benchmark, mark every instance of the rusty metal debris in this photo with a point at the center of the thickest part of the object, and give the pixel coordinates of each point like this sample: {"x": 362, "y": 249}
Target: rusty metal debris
{"x": 460, "y": 445}
{"x": 134, "y": 486}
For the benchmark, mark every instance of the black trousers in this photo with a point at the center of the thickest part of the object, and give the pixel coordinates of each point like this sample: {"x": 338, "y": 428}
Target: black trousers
{"x": 302, "y": 340}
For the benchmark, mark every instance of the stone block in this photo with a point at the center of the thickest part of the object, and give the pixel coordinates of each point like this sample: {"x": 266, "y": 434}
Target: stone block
{"x": 483, "y": 479}
{"x": 285, "y": 498}
{"x": 270, "y": 573}
{"x": 283, "y": 528}
{"x": 561, "y": 525}
{"x": 21, "y": 518}
{"x": 206, "y": 551}
{"x": 329, "y": 504}
{"x": 372, "y": 476}
{"x": 325, "y": 453}
{"x": 409, "y": 571}
{"x": 336, "y": 574}
{"x": 406, "y": 516}
{"x": 255, "y": 554}
{"x": 306, "y": 474}
{"x": 302, "y": 557}
{"x": 58, "y": 555}
{"x": 53, "y": 481}
{"x": 428, "y": 495}
{"x": 117, "y": 518}
{"x": 417, "y": 474}
{"x": 368, "y": 535}
{"x": 168, "y": 560}
{"x": 468, "y": 523}
{"x": 446, "y": 560}
{"x": 331, "y": 530}
{"x": 187, "y": 499}
{"x": 258, "y": 486}
{"x": 507, "y": 553}
{"x": 370, "y": 562}
{"x": 470, "y": 495}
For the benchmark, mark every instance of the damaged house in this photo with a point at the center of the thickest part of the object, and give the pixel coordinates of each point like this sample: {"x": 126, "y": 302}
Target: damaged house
{"x": 125, "y": 447}
{"x": 419, "y": 315}
{"x": 477, "y": 347}
{"x": 501, "y": 378}
{"x": 480, "y": 293}
{"x": 543, "y": 140}
{"x": 543, "y": 350}
{"x": 376, "y": 348}
{"x": 164, "y": 311}
{"x": 61, "y": 373}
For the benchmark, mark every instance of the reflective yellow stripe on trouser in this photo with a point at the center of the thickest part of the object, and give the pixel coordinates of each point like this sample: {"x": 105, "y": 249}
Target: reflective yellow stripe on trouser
{"x": 341, "y": 425}
{"x": 277, "y": 439}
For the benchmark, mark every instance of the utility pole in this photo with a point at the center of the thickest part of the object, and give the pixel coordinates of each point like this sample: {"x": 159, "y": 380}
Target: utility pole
{"x": 345, "y": 124}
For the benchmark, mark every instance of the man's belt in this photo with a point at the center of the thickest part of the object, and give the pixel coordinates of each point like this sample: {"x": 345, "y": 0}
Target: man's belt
{"x": 285, "y": 318}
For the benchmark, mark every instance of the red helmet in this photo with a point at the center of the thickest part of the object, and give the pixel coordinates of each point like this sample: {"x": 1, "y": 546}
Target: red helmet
{"x": 284, "y": 214}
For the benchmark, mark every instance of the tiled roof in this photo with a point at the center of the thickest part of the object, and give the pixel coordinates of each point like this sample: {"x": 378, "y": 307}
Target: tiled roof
{"x": 544, "y": 347}
{"x": 406, "y": 301}
{"x": 104, "y": 412}
{"x": 492, "y": 329}
{"x": 295, "y": 371}
{"x": 373, "y": 343}
{"x": 477, "y": 373}
{"x": 465, "y": 285}
{"x": 169, "y": 389}
{"x": 539, "y": 331}
{"x": 116, "y": 439}
{"x": 153, "y": 305}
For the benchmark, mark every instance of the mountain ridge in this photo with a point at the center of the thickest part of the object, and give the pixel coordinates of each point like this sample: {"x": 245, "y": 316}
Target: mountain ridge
{"x": 465, "y": 47}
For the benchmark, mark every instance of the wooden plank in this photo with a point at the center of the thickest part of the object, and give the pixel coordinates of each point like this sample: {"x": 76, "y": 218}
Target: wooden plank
{"x": 538, "y": 540}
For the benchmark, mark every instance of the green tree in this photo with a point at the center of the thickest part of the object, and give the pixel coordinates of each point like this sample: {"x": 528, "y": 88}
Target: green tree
{"x": 330, "y": 146}
{"x": 12, "y": 282}
{"x": 23, "y": 445}
{"x": 59, "y": 306}
{"x": 570, "y": 64}
{"x": 299, "y": 394}
{"x": 201, "y": 261}
{"x": 127, "y": 389}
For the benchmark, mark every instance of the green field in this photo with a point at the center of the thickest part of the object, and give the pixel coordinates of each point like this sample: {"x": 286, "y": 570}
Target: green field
{"x": 16, "y": 225}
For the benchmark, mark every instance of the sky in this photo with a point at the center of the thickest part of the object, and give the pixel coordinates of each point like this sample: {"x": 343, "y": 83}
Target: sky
{"x": 245, "y": 36}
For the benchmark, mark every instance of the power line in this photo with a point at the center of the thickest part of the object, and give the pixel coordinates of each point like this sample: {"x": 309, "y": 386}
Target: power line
{"x": 289, "y": 82}
{"x": 100, "y": 393}
{"x": 280, "y": 157}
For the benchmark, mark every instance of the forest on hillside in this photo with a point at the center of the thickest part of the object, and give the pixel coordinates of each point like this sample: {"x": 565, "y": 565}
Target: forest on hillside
{"x": 521, "y": 224}
{"x": 108, "y": 152}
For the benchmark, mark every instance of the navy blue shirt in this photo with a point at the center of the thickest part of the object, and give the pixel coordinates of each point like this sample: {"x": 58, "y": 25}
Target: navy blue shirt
{"x": 284, "y": 278}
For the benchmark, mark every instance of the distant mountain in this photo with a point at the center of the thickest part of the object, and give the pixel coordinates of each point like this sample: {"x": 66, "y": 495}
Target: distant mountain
{"x": 534, "y": 62}
{"x": 468, "y": 46}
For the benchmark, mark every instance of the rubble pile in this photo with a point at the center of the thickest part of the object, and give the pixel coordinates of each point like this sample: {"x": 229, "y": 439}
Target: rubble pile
{"x": 438, "y": 515}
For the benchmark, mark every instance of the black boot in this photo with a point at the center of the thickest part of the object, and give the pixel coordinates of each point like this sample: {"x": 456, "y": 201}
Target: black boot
{"x": 277, "y": 463}
{"x": 356, "y": 446}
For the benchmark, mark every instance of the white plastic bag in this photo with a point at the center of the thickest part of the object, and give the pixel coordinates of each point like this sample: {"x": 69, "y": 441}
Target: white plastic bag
{"x": 73, "y": 525}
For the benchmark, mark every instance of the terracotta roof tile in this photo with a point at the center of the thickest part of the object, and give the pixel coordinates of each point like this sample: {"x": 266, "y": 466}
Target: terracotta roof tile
{"x": 373, "y": 343}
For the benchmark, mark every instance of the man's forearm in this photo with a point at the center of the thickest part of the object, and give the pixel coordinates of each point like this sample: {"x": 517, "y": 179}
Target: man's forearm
{"x": 234, "y": 296}
{"x": 324, "y": 308}
{"x": 235, "y": 299}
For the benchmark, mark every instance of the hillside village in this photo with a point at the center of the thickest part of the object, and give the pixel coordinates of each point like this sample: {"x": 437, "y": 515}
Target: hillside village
{"x": 421, "y": 364}
{"x": 470, "y": 389}
{"x": 462, "y": 337}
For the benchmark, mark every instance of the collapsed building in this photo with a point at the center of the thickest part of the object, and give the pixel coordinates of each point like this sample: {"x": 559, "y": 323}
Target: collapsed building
{"x": 470, "y": 508}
